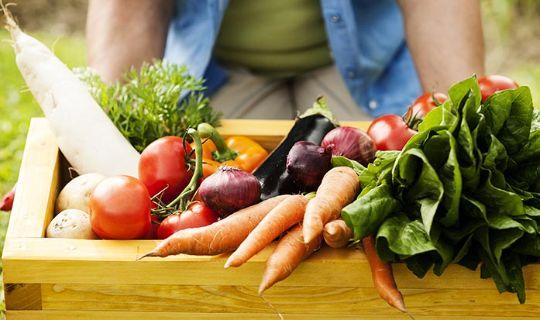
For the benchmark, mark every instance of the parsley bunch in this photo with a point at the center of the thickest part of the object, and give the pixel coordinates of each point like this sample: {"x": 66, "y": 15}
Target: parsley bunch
{"x": 159, "y": 99}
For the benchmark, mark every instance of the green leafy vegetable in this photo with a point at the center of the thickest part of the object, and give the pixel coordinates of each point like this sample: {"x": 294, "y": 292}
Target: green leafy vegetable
{"x": 158, "y": 100}
{"x": 465, "y": 189}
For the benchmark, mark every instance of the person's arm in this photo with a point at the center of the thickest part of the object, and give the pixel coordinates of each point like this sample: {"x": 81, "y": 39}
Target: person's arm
{"x": 445, "y": 39}
{"x": 125, "y": 33}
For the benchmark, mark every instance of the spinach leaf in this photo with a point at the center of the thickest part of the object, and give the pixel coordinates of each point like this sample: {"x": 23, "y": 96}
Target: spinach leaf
{"x": 465, "y": 189}
{"x": 425, "y": 190}
{"x": 367, "y": 213}
{"x": 340, "y": 161}
{"x": 514, "y": 109}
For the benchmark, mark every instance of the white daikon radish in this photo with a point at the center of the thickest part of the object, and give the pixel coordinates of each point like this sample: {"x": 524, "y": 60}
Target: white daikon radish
{"x": 72, "y": 224}
{"x": 86, "y": 136}
{"x": 76, "y": 193}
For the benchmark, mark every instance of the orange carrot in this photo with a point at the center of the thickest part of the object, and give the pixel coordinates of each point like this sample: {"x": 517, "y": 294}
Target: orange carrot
{"x": 338, "y": 188}
{"x": 383, "y": 278}
{"x": 289, "y": 252}
{"x": 337, "y": 234}
{"x": 220, "y": 237}
{"x": 285, "y": 215}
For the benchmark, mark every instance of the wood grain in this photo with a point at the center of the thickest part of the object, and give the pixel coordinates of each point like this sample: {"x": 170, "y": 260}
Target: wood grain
{"x": 126, "y": 315}
{"x": 113, "y": 262}
{"x": 288, "y": 300}
{"x": 22, "y": 296}
{"x": 37, "y": 184}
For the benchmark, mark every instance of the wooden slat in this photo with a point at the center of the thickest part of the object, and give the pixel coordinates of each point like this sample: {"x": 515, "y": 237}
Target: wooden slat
{"x": 37, "y": 184}
{"x": 113, "y": 262}
{"x": 22, "y": 296}
{"x": 288, "y": 300}
{"x": 268, "y": 132}
{"x": 125, "y": 315}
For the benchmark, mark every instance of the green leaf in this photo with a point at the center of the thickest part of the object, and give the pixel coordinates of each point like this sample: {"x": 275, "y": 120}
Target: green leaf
{"x": 458, "y": 92}
{"x": 425, "y": 190}
{"x": 340, "y": 161}
{"x": 409, "y": 238}
{"x": 441, "y": 153}
{"x": 497, "y": 199}
{"x": 530, "y": 153}
{"x": 404, "y": 237}
{"x": 512, "y": 108}
{"x": 442, "y": 117}
{"x": 535, "y": 123}
{"x": 366, "y": 214}
{"x": 528, "y": 245}
{"x": 515, "y": 276}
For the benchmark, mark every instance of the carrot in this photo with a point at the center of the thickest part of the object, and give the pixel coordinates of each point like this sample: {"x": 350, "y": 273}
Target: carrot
{"x": 280, "y": 219}
{"x": 289, "y": 252}
{"x": 338, "y": 188}
{"x": 337, "y": 234}
{"x": 86, "y": 136}
{"x": 220, "y": 237}
{"x": 383, "y": 278}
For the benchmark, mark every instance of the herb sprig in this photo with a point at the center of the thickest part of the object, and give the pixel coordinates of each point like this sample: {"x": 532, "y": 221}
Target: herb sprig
{"x": 159, "y": 99}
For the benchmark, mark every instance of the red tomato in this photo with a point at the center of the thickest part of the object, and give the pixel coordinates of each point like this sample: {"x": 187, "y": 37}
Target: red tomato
{"x": 163, "y": 167}
{"x": 120, "y": 208}
{"x": 422, "y": 105}
{"x": 152, "y": 232}
{"x": 390, "y": 132}
{"x": 495, "y": 83}
{"x": 196, "y": 215}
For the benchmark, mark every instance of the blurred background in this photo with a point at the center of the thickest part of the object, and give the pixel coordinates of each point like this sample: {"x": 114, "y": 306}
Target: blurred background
{"x": 511, "y": 30}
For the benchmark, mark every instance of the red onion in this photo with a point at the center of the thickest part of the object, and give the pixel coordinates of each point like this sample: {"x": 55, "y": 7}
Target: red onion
{"x": 351, "y": 143}
{"x": 229, "y": 190}
{"x": 307, "y": 163}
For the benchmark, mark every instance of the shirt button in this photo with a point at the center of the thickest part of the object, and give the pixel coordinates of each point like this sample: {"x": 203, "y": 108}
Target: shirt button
{"x": 335, "y": 18}
{"x": 372, "y": 104}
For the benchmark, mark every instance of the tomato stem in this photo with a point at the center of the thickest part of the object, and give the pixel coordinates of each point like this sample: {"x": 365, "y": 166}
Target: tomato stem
{"x": 223, "y": 153}
{"x": 185, "y": 197}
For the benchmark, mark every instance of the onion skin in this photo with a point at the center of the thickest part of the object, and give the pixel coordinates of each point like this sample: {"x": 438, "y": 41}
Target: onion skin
{"x": 307, "y": 164}
{"x": 351, "y": 143}
{"x": 229, "y": 190}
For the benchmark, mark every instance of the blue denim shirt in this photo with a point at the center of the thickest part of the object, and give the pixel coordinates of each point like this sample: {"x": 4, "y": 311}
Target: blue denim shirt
{"x": 366, "y": 38}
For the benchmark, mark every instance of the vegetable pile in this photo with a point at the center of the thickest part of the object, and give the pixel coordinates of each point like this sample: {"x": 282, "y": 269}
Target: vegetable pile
{"x": 465, "y": 189}
{"x": 456, "y": 180}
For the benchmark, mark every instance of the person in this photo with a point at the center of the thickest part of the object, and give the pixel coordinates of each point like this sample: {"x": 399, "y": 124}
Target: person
{"x": 271, "y": 59}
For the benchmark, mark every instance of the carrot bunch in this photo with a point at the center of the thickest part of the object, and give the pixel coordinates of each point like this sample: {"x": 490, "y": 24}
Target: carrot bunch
{"x": 302, "y": 222}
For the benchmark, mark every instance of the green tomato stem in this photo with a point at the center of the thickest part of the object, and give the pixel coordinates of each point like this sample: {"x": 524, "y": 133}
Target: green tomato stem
{"x": 185, "y": 196}
{"x": 223, "y": 153}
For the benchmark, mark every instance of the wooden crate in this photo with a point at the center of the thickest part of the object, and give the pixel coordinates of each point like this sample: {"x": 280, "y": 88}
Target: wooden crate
{"x": 101, "y": 279}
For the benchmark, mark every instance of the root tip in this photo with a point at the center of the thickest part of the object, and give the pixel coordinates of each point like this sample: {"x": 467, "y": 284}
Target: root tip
{"x": 149, "y": 254}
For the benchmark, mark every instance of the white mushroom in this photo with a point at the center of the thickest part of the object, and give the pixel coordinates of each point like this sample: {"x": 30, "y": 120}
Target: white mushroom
{"x": 71, "y": 223}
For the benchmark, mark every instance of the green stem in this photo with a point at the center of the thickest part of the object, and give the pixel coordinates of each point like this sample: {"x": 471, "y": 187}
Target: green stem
{"x": 184, "y": 197}
{"x": 223, "y": 152}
